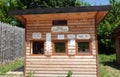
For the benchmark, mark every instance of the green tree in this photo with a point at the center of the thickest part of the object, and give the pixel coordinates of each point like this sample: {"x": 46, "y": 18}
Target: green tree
{"x": 5, "y": 7}
{"x": 111, "y": 21}
{"x": 52, "y": 3}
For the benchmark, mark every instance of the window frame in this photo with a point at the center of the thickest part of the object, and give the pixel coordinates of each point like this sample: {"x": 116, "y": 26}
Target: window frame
{"x": 53, "y": 47}
{"x": 31, "y": 47}
{"x": 90, "y": 47}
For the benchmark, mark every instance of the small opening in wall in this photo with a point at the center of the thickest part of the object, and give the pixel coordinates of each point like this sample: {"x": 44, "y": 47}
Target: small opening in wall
{"x": 59, "y": 23}
{"x": 38, "y": 47}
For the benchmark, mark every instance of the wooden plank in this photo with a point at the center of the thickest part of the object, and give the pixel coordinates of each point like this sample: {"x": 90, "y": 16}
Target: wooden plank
{"x": 62, "y": 66}
{"x": 38, "y": 27}
{"x": 27, "y": 53}
{"x": 70, "y": 32}
{"x": 65, "y": 72}
{"x": 21, "y": 18}
{"x": 81, "y": 26}
{"x": 37, "y": 21}
{"x": 70, "y": 28}
{"x": 61, "y": 75}
{"x": 82, "y": 23}
{"x": 61, "y": 69}
{"x": 60, "y": 16}
{"x": 69, "y": 63}
{"x": 27, "y": 47}
{"x": 77, "y": 32}
{"x": 39, "y": 30}
{"x": 83, "y": 29}
{"x": 70, "y": 24}
{"x": 37, "y": 66}
{"x": 81, "y": 20}
{"x": 63, "y": 60}
{"x": 99, "y": 16}
{"x": 60, "y": 57}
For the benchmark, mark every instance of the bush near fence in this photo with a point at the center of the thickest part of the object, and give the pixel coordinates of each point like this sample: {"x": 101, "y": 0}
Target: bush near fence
{"x": 11, "y": 42}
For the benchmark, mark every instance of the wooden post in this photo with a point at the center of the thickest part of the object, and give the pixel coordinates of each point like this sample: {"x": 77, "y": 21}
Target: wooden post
{"x": 117, "y": 42}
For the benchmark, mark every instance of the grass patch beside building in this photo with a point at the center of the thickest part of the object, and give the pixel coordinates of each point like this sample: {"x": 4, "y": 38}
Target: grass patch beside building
{"x": 108, "y": 66}
{"x": 11, "y": 66}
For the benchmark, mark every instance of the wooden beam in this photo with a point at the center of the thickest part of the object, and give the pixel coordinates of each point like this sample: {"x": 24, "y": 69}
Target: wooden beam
{"x": 21, "y": 18}
{"x": 100, "y": 16}
{"x": 60, "y": 16}
{"x": 117, "y": 42}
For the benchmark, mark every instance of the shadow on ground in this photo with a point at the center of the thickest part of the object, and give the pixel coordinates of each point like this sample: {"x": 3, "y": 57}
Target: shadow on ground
{"x": 112, "y": 64}
{"x": 20, "y": 69}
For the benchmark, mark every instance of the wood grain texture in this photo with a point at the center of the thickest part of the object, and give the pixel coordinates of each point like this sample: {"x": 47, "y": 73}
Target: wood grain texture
{"x": 77, "y": 26}
{"x": 59, "y": 65}
{"x": 59, "y": 16}
{"x": 61, "y": 75}
{"x": 54, "y": 66}
{"x": 117, "y": 42}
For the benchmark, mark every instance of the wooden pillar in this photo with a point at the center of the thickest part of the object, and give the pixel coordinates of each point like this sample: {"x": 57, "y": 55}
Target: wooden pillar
{"x": 117, "y": 42}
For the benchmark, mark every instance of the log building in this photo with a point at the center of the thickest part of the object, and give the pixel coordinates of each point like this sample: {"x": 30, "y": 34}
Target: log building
{"x": 61, "y": 39}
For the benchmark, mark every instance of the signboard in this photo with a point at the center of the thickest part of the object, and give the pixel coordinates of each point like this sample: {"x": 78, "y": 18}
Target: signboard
{"x": 59, "y": 29}
{"x": 36, "y": 35}
{"x": 71, "y": 36}
{"x": 61, "y": 36}
{"x": 48, "y": 42}
{"x": 83, "y": 36}
{"x": 48, "y": 37}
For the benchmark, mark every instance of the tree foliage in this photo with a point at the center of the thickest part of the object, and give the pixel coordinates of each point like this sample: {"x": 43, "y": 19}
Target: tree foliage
{"x": 7, "y": 5}
{"x": 52, "y": 3}
{"x": 111, "y": 21}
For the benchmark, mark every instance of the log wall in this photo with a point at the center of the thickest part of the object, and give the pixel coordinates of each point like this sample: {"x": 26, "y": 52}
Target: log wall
{"x": 58, "y": 66}
{"x": 80, "y": 26}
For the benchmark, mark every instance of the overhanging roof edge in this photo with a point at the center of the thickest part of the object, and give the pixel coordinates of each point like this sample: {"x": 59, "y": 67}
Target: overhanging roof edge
{"x": 60, "y": 10}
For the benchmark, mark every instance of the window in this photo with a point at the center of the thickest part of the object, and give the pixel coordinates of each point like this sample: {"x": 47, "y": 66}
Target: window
{"x": 59, "y": 22}
{"x": 83, "y": 47}
{"x": 38, "y": 47}
{"x": 60, "y": 47}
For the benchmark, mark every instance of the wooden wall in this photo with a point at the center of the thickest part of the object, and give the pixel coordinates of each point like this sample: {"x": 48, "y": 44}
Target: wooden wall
{"x": 58, "y": 66}
{"x": 80, "y": 26}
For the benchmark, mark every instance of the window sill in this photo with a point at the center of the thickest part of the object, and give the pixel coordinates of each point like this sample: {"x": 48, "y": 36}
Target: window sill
{"x": 84, "y": 54}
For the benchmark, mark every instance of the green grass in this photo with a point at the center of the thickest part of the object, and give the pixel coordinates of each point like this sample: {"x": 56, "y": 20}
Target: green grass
{"x": 10, "y": 66}
{"x": 108, "y": 66}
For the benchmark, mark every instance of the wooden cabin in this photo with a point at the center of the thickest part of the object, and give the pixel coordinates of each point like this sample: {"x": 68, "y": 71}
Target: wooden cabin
{"x": 116, "y": 35}
{"x": 58, "y": 40}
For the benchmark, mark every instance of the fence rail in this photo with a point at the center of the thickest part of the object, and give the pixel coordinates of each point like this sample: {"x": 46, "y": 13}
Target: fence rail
{"x": 11, "y": 42}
